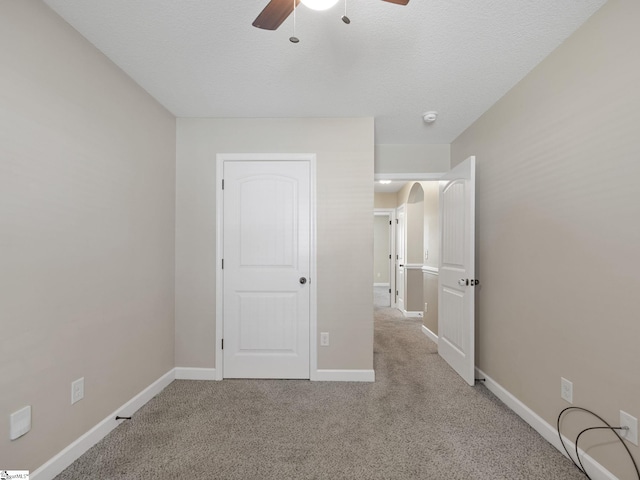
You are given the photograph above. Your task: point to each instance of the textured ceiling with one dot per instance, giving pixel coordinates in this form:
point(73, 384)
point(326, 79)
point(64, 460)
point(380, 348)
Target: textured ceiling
point(202, 58)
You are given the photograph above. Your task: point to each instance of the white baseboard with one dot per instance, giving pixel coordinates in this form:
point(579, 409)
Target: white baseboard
point(432, 336)
point(345, 376)
point(412, 314)
point(595, 470)
point(381, 285)
point(71, 453)
point(188, 373)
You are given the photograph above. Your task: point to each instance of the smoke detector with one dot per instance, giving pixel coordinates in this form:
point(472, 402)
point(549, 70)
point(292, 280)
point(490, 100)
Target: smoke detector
point(429, 117)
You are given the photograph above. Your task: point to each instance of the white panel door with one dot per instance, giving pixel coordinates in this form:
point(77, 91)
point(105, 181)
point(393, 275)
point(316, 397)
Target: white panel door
point(400, 253)
point(456, 281)
point(266, 255)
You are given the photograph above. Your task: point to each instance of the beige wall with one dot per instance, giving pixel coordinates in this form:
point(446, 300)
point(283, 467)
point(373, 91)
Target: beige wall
point(431, 223)
point(412, 158)
point(403, 194)
point(385, 200)
point(344, 149)
point(87, 175)
point(558, 237)
point(430, 297)
point(414, 221)
point(414, 290)
point(381, 248)
point(423, 288)
point(432, 246)
point(414, 218)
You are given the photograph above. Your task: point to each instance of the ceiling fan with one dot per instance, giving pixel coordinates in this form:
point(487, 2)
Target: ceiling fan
point(277, 12)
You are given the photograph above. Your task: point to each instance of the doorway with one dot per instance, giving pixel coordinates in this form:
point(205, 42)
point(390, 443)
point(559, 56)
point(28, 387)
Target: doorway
point(448, 258)
point(416, 255)
point(383, 264)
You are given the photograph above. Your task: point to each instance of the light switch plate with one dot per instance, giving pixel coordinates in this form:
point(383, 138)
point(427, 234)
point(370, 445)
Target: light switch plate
point(20, 422)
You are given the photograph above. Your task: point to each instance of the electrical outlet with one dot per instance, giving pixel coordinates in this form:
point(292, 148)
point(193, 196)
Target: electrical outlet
point(566, 390)
point(77, 390)
point(426, 307)
point(627, 420)
point(324, 339)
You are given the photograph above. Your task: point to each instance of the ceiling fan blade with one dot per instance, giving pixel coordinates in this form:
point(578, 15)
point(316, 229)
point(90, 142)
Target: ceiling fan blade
point(398, 2)
point(274, 14)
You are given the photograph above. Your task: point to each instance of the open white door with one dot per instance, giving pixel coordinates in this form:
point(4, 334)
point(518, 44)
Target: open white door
point(456, 282)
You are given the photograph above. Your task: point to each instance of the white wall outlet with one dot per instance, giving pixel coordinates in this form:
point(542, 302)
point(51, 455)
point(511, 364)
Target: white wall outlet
point(19, 422)
point(566, 390)
point(631, 434)
point(77, 390)
point(324, 339)
point(426, 307)
point(426, 254)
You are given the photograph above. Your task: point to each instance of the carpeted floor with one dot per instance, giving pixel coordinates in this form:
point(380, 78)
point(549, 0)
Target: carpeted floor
point(419, 420)
point(381, 297)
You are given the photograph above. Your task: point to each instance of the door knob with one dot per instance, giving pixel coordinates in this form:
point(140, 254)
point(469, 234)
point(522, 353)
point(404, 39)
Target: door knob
point(303, 280)
point(462, 282)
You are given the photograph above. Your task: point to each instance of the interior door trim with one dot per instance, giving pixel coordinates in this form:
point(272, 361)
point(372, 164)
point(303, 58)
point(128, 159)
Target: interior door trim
point(221, 158)
point(391, 214)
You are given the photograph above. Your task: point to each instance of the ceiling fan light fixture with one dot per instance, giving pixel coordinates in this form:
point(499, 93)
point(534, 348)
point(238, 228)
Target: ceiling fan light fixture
point(319, 4)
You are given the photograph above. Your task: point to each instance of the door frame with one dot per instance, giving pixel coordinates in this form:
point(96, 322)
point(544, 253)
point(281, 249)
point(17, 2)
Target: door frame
point(391, 214)
point(400, 212)
point(221, 158)
point(405, 177)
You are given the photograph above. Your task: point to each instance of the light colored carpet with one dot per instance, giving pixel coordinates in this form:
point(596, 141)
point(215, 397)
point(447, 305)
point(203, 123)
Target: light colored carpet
point(381, 297)
point(419, 420)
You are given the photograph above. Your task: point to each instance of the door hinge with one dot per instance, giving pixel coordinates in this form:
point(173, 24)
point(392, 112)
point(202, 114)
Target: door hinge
point(389, 290)
point(397, 221)
point(223, 264)
point(389, 222)
point(223, 183)
point(223, 344)
point(389, 256)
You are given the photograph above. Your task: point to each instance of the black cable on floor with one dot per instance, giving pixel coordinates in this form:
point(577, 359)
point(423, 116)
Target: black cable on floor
point(580, 466)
